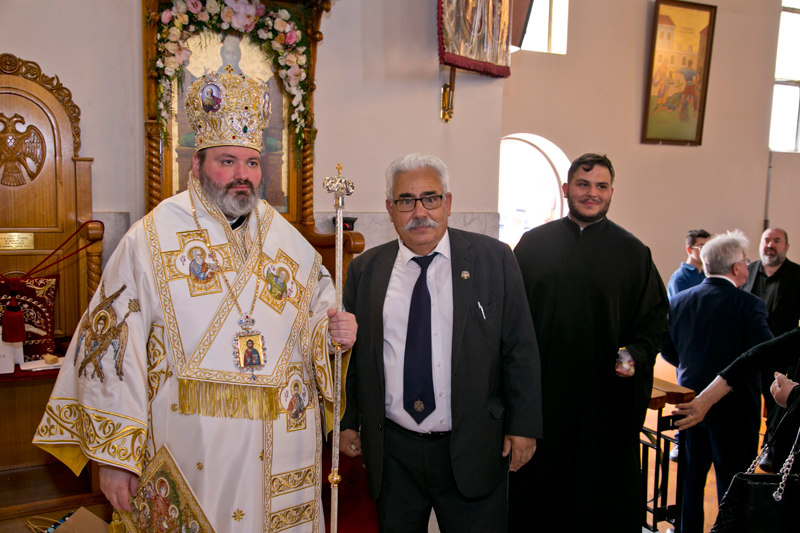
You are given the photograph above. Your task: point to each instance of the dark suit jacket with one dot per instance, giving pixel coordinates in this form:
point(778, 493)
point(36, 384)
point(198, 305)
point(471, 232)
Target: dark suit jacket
point(784, 317)
point(496, 388)
point(710, 325)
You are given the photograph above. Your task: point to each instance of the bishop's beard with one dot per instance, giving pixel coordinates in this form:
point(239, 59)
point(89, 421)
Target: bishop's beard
point(232, 205)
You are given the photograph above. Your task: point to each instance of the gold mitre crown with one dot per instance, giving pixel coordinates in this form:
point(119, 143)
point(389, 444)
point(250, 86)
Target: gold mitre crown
point(228, 109)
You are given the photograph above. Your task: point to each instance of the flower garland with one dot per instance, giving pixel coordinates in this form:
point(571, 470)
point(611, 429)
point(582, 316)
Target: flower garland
point(276, 33)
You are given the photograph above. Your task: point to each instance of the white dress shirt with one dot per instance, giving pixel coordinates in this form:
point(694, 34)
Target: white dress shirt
point(721, 276)
point(395, 326)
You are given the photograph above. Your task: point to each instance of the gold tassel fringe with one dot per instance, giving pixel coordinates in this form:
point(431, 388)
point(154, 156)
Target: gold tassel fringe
point(226, 400)
point(116, 526)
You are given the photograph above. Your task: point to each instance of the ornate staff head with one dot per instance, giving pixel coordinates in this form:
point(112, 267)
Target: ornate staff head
point(339, 186)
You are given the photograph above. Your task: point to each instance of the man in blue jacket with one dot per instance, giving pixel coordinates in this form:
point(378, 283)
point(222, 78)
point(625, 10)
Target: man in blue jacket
point(710, 326)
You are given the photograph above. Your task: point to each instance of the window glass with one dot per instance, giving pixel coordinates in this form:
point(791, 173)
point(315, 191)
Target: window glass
point(787, 65)
point(547, 30)
point(783, 129)
point(531, 172)
point(791, 3)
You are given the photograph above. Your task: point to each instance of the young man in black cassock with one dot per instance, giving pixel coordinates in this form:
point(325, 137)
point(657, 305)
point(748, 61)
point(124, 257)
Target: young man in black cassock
point(593, 290)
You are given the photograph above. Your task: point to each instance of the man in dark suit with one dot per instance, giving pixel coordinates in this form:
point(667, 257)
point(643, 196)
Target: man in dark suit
point(445, 391)
point(776, 280)
point(711, 324)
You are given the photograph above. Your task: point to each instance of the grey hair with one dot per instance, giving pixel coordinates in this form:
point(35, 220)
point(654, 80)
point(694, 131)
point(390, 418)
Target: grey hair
point(723, 251)
point(413, 162)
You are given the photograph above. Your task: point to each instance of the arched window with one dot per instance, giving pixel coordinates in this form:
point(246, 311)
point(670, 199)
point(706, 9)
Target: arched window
point(683, 61)
point(532, 170)
point(672, 60)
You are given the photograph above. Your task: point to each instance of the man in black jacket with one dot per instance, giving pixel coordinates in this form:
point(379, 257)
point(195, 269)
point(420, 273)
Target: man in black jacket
point(443, 382)
point(776, 280)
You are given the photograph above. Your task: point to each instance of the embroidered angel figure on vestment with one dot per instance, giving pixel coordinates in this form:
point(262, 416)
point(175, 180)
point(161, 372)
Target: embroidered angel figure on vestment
point(99, 331)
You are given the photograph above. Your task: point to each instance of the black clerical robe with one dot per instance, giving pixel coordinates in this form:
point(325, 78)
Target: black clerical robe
point(590, 293)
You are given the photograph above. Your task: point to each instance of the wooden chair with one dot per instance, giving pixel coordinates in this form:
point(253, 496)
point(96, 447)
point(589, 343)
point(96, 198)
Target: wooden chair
point(657, 482)
point(46, 195)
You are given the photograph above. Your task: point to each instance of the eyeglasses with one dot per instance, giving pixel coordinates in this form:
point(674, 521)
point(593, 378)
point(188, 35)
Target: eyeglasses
point(698, 247)
point(404, 205)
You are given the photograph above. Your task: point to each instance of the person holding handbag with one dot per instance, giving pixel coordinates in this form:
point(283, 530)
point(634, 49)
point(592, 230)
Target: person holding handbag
point(759, 502)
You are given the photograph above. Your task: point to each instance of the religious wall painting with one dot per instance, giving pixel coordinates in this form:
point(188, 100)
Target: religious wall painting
point(281, 285)
point(195, 262)
point(214, 53)
point(677, 83)
point(294, 398)
point(475, 35)
point(22, 151)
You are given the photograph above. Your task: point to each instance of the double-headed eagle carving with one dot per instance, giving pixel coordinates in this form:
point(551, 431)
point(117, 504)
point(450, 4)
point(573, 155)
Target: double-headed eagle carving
point(20, 151)
point(99, 331)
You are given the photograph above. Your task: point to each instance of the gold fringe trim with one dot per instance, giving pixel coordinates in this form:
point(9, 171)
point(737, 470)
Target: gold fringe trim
point(226, 400)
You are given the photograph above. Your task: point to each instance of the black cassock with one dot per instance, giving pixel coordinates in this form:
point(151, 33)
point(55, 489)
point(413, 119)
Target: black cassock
point(590, 294)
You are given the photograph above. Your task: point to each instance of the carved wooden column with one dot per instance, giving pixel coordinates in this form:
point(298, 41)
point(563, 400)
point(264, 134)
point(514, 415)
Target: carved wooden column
point(154, 187)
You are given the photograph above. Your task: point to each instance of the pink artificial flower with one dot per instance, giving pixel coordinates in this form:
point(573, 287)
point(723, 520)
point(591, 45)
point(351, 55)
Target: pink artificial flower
point(294, 75)
point(280, 25)
point(260, 10)
point(244, 15)
point(166, 16)
point(183, 54)
point(195, 6)
point(290, 38)
point(227, 14)
point(203, 16)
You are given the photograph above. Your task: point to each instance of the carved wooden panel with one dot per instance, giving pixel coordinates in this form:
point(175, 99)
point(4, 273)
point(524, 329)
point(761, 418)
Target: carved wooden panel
point(45, 188)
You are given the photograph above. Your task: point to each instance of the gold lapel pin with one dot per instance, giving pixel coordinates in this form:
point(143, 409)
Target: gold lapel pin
point(464, 274)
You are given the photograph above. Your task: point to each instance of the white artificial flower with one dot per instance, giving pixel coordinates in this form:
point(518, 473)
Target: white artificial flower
point(160, 64)
point(179, 6)
point(282, 13)
point(301, 60)
point(169, 71)
point(262, 34)
point(212, 6)
point(297, 99)
point(225, 25)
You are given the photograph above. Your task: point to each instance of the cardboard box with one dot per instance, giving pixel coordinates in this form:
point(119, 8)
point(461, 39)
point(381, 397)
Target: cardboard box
point(83, 521)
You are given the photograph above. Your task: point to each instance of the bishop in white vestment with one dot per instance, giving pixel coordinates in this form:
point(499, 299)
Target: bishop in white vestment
point(194, 383)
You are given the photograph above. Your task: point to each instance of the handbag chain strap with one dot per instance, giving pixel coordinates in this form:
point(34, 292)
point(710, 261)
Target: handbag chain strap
point(786, 468)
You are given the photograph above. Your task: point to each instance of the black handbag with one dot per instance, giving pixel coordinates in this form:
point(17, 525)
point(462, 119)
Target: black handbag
point(762, 503)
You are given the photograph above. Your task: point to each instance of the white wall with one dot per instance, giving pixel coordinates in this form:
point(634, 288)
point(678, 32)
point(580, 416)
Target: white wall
point(95, 49)
point(591, 99)
point(378, 98)
point(783, 199)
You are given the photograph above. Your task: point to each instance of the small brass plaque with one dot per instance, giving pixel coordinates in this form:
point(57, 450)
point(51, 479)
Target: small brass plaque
point(16, 241)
